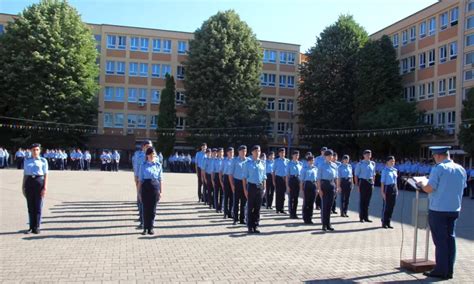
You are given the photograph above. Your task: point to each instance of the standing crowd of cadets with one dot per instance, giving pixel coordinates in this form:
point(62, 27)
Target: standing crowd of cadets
point(109, 161)
point(238, 186)
point(180, 163)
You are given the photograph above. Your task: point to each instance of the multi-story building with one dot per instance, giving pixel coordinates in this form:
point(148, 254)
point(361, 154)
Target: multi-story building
point(133, 64)
point(435, 47)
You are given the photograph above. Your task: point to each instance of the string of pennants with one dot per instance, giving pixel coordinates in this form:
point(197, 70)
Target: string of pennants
point(47, 128)
point(370, 133)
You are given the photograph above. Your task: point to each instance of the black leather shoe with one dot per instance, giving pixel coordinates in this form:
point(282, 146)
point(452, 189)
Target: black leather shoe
point(28, 232)
point(151, 232)
point(250, 231)
point(389, 226)
point(234, 223)
point(384, 226)
point(282, 212)
point(368, 221)
point(435, 275)
point(144, 232)
point(140, 226)
point(361, 220)
point(318, 208)
point(242, 222)
point(36, 231)
point(324, 228)
point(330, 228)
point(256, 231)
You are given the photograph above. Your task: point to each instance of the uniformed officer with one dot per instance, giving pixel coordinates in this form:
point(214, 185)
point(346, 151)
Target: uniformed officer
point(87, 160)
point(138, 160)
point(236, 182)
point(308, 186)
point(108, 161)
point(115, 160)
point(80, 160)
point(199, 158)
point(293, 183)
point(254, 184)
point(334, 160)
point(103, 160)
point(345, 180)
point(364, 178)
point(35, 184)
point(150, 189)
point(270, 186)
point(209, 168)
point(205, 163)
point(328, 181)
point(19, 157)
point(445, 187)
point(218, 188)
point(319, 160)
point(225, 173)
point(279, 179)
point(389, 191)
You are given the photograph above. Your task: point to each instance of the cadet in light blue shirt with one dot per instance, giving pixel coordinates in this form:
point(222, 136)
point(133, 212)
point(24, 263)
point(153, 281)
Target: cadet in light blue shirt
point(364, 177)
point(198, 165)
point(254, 184)
point(327, 179)
point(138, 161)
point(344, 173)
point(389, 191)
point(319, 160)
point(293, 183)
point(279, 179)
point(236, 179)
point(218, 186)
point(208, 168)
point(308, 186)
point(226, 172)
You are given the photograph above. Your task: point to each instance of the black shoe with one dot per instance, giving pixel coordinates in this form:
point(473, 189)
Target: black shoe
point(229, 216)
point(368, 221)
point(36, 231)
point(345, 215)
point(28, 232)
point(384, 226)
point(151, 232)
point(330, 228)
point(389, 226)
point(361, 220)
point(250, 231)
point(144, 232)
point(435, 275)
point(334, 212)
point(308, 222)
point(242, 222)
point(256, 231)
point(234, 223)
point(282, 212)
point(140, 226)
point(318, 208)
point(324, 228)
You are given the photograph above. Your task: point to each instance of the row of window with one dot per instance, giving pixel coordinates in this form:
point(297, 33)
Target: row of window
point(285, 81)
point(269, 56)
point(283, 104)
point(117, 120)
point(282, 128)
point(141, 69)
point(430, 24)
point(445, 119)
point(143, 44)
point(138, 95)
point(409, 64)
point(427, 90)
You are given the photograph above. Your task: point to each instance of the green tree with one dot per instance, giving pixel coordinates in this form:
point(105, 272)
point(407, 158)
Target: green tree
point(223, 80)
point(48, 72)
point(466, 133)
point(167, 118)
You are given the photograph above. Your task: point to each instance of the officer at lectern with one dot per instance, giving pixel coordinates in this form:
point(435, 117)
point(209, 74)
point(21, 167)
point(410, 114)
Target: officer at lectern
point(445, 188)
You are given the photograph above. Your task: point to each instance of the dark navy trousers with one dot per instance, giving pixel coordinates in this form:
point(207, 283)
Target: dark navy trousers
point(150, 196)
point(346, 187)
point(389, 203)
point(217, 192)
point(270, 191)
point(253, 205)
point(199, 185)
point(294, 184)
point(239, 201)
point(309, 191)
point(329, 190)
point(366, 189)
point(280, 189)
point(33, 188)
point(442, 226)
point(228, 197)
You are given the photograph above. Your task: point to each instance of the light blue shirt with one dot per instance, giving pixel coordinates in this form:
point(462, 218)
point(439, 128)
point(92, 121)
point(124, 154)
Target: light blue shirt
point(318, 161)
point(200, 158)
point(309, 174)
point(139, 159)
point(389, 176)
point(150, 170)
point(344, 171)
point(327, 171)
point(294, 168)
point(448, 181)
point(269, 166)
point(365, 169)
point(238, 167)
point(207, 165)
point(35, 167)
point(254, 171)
point(279, 167)
point(217, 165)
point(226, 166)
point(116, 156)
point(87, 156)
point(20, 154)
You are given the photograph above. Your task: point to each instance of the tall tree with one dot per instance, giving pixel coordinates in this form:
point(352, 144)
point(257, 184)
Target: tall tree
point(167, 118)
point(466, 134)
point(223, 79)
point(49, 71)
point(328, 76)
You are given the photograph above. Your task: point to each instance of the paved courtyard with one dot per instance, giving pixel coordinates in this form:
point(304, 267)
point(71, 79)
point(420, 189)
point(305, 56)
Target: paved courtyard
point(88, 235)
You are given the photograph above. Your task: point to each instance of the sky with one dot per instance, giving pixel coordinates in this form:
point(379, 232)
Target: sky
point(290, 21)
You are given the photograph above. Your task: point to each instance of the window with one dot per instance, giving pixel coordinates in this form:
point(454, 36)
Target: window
point(122, 42)
point(131, 120)
point(108, 119)
point(281, 104)
point(155, 70)
point(133, 69)
point(155, 96)
point(442, 54)
point(470, 22)
point(289, 127)
point(432, 30)
point(271, 80)
point(411, 94)
point(267, 79)
point(442, 87)
point(142, 95)
point(413, 33)
point(153, 121)
point(291, 81)
point(180, 98)
point(119, 94)
point(165, 69)
point(109, 94)
point(452, 85)
point(443, 21)
point(453, 50)
point(143, 69)
point(454, 16)
point(132, 95)
point(428, 118)
point(470, 40)
point(111, 41)
point(134, 41)
point(156, 45)
point(264, 79)
point(469, 57)
point(431, 57)
point(180, 73)
point(269, 56)
point(404, 37)
point(441, 118)
point(121, 67)
point(141, 121)
point(469, 75)
point(421, 92)
point(281, 128)
point(395, 40)
point(289, 105)
point(181, 47)
point(144, 44)
point(270, 104)
point(167, 46)
point(291, 58)
point(404, 65)
point(110, 67)
point(180, 123)
point(430, 89)
point(470, 6)
point(422, 29)
point(451, 119)
point(287, 57)
point(412, 63)
point(282, 83)
point(118, 120)
point(269, 129)
point(422, 59)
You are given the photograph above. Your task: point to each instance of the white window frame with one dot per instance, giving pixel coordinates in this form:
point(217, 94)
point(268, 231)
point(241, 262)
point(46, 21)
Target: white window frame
point(421, 91)
point(110, 67)
point(263, 79)
point(119, 94)
point(290, 105)
point(454, 16)
point(180, 98)
point(143, 69)
point(470, 40)
point(432, 26)
point(269, 56)
point(153, 121)
point(167, 46)
point(132, 95)
point(281, 128)
point(443, 21)
point(108, 119)
point(431, 91)
point(109, 94)
point(119, 120)
point(290, 82)
point(413, 33)
point(282, 81)
point(271, 80)
point(141, 121)
point(270, 104)
point(422, 60)
point(133, 69)
point(165, 69)
point(180, 123)
point(142, 95)
point(182, 47)
point(144, 43)
point(453, 50)
point(405, 37)
point(155, 70)
point(131, 120)
point(134, 43)
point(155, 96)
point(432, 57)
point(469, 55)
point(443, 54)
point(452, 85)
point(122, 42)
point(121, 68)
point(180, 71)
point(412, 63)
point(469, 75)
point(441, 87)
point(111, 41)
point(281, 104)
point(422, 29)
point(156, 45)
point(412, 93)
point(395, 40)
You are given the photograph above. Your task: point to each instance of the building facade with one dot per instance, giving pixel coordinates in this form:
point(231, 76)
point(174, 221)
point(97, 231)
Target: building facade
point(133, 63)
point(435, 47)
